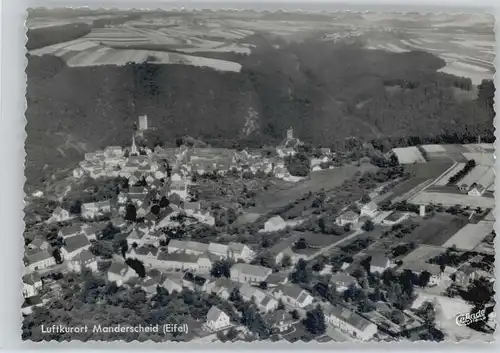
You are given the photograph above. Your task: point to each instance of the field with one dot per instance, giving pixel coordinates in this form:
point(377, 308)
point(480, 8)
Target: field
point(437, 230)
point(470, 236)
point(327, 179)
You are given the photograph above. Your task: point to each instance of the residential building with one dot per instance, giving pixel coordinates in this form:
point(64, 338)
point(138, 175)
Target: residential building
point(178, 260)
point(467, 274)
point(348, 217)
point(74, 245)
point(280, 321)
point(395, 217)
point(244, 273)
point(369, 210)
point(190, 247)
point(238, 251)
point(379, 261)
point(120, 273)
point(59, 215)
point(342, 281)
point(31, 284)
point(85, 259)
point(293, 295)
point(264, 301)
point(173, 284)
point(217, 319)
point(194, 282)
point(92, 232)
point(39, 260)
point(70, 231)
point(93, 209)
point(39, 243)
point(30, 303)
point(349, 322)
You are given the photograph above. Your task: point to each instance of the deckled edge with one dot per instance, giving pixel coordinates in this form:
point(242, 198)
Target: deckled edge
point(494, 12)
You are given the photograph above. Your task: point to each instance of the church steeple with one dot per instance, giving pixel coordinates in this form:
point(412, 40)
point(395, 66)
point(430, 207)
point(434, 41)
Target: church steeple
point(133, 149)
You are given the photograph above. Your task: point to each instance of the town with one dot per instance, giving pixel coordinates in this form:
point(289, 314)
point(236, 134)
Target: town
point(294, 243)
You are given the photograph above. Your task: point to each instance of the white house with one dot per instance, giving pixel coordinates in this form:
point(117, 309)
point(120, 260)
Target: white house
point(31, 284)
point(274, 224)
point(238, 251)
point(349, 322)
point(217, 319)
point(39, 260)
point(93, 209)
point(342, 281)
point(190, 247)
point(348, 217)
point(59, 215)
point(245, 273)
point(178, 187)
point(85, 259)
point(173, 285)
point(120, 273)
point(293, 295)
point(369, 210)
point(74, 245)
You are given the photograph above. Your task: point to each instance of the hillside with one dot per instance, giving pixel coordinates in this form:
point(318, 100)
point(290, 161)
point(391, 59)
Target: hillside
point(326, 92)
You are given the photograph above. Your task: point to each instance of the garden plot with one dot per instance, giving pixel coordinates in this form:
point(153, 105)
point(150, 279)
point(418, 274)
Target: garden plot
point(408, 155)
point(470, 236)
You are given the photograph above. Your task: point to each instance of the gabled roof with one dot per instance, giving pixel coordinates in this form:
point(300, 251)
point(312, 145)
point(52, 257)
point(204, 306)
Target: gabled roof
point(276, 220)
point(188, 245)
point(347, 316)
point(117, 268)
point(217, 248)
point(370, 206)
point(215, 313)
point(252, 270)
point(236, 248)
point(145, 250)
point(31, 278)
point(37, 257)
point(70, 230)
point(178, 257)
point(85, 256)
point(295, 292)
point(349, 215)
point(76, 242)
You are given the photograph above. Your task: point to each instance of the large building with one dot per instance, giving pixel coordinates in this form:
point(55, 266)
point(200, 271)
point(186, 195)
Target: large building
point(143, 122)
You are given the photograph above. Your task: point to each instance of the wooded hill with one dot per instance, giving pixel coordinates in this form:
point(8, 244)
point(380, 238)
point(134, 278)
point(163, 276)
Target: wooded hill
point(326, 92)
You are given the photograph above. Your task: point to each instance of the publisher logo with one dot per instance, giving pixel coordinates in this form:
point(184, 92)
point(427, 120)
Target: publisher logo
point(469, 318)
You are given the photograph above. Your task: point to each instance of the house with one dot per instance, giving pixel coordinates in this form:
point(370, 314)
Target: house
point(245, 273)
point(369, 210)
point(191, 207)
point(119, 223)
point(74, 245)
point(220, 250)
point(276, 279)
point(31, 284)
point(222, 287)
point(92, 232)
point(293, 296)
point(325, 151)
point(217, 319)
point(59, 215)
point(120, 273)
point(238, 251)
point(39, 260)
point(274, 224)
point(467, 274)
point(349, 322)
point(436, 274)
point(93, 209)
point(172, 285)
point(29, 303)
point(264, 301)
point(379, 262)
point(280, 321)
point(85, 259)
point(476, 190)
point(39, 243)
point(190, 247)
point(178, 187)
point(70, 231)
point(348, 217)
point(342, 281)
point(177, 260)
point(146, 253)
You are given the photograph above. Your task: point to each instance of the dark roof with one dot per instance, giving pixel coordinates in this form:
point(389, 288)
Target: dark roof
point(117, 268)
point(71, 229)
point(38, 256)
point(30, 301)
point(144, 250)
point(76, 242)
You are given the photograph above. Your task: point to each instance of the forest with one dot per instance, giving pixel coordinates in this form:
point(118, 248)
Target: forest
point(342, 91)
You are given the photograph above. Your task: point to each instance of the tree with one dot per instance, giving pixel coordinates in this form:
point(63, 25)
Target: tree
point(131, 213)
point(286, 261)
point(301, 274)
point(423, 278)
point(221, 268)
point(301, 244)
point(366, 199)
point(56, 253)
point(368, 226)
point(137, 266)
point(164, 203)
point(397, 317)
point(76, 207)
point(315, 321)
point(155, 209)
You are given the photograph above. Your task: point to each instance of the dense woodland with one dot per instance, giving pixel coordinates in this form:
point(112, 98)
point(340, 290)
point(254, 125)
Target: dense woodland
point(342, 91)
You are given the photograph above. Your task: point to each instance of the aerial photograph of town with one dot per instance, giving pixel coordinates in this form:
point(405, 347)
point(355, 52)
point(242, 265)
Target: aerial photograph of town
point(222, 175)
